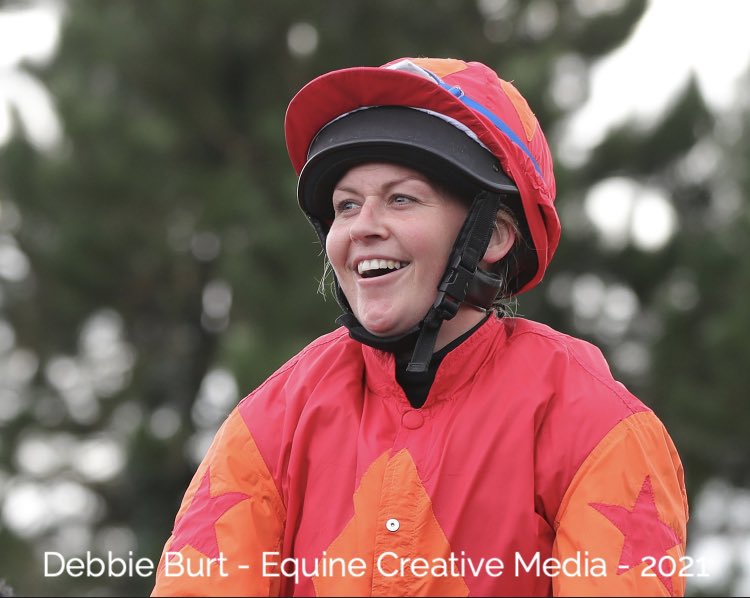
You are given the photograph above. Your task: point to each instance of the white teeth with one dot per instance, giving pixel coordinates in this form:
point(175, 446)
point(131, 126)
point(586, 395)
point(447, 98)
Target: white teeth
point(367, 265)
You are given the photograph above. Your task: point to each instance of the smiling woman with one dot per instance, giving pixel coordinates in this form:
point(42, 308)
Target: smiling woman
point(386, 213)
point(432, 445)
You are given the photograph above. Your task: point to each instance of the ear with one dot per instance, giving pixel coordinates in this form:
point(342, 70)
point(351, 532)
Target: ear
point(501, 242)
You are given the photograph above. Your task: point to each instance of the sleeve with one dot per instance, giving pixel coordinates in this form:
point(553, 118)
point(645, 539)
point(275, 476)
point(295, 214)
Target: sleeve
point(231, 515)
point(621, 526)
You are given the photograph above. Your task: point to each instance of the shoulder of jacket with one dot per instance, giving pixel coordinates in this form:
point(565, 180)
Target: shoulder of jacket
point(324, 352)
point(572, 353)
point(335, 338)
point(547, 338)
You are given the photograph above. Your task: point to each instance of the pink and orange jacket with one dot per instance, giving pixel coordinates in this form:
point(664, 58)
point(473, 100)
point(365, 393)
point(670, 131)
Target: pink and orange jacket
point(528, 471)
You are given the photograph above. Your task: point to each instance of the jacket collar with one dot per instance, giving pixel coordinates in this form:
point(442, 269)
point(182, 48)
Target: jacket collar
point(456, 371)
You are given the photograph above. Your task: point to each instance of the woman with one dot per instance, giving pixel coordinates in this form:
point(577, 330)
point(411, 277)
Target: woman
point(431, 445)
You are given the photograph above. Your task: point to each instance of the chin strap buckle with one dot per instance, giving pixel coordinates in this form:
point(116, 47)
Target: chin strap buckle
point(468, 250)
point(453, 289)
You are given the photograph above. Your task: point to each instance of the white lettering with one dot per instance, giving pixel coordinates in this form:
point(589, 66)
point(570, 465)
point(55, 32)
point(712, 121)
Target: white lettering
point(57, 555)
point(494, 567)
point(380, 564)
point(533, 564)
point(293, 572)
point(266, 564)
point(173, 568)
point(56, 564)
point(576, 565)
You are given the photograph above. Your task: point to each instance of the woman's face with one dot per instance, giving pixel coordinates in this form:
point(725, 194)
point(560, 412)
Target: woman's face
point(389, 243)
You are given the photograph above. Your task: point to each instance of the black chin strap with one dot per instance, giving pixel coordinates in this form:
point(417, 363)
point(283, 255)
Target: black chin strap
point(462, 282)
point(468, 251)
point(398, 344)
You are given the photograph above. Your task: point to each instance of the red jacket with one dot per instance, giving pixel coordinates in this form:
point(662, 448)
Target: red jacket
point(529, 471)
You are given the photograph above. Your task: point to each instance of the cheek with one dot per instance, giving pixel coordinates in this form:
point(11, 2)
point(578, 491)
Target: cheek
point(444, 238)
point(335, 248)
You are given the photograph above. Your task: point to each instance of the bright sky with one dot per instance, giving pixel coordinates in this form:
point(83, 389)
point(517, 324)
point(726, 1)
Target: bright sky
point(28, 34)
point(673, 39)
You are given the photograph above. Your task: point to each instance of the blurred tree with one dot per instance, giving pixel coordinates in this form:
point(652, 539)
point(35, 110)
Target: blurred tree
point(703, 348)
point(692, 315)
point(168, 269)
point(673, 317)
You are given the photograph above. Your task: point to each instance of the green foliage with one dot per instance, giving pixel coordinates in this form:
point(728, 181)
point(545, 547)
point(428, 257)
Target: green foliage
point(641, 151)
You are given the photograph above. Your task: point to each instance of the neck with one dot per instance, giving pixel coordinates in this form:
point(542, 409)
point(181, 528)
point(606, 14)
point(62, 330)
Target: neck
point(466, 318)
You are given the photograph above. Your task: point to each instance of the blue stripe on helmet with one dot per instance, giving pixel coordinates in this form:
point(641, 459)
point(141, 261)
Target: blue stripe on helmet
point(496, 120)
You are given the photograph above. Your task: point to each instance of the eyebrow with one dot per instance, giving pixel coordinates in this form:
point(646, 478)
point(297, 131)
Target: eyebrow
point(385, 186)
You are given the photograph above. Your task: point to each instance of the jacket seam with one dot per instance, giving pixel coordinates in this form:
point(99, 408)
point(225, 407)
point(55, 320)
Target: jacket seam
point(295, 360)
point(574, 354)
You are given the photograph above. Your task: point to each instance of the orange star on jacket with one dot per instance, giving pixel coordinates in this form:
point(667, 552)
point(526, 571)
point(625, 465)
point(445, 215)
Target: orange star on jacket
point(232, 490)
point(645, 534)
point(631, 503)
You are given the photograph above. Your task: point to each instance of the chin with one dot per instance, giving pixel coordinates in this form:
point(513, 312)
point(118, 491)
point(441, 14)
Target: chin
point(383, 331)
point(382, 327)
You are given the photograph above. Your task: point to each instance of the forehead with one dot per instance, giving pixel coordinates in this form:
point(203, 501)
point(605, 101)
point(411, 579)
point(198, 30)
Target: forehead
point(383, 173)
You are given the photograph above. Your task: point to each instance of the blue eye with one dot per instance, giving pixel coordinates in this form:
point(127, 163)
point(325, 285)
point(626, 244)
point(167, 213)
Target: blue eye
point(343, 206)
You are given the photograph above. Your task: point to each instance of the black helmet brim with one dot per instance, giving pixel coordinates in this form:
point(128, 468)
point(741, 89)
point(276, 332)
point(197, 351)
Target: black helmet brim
point(400, 135)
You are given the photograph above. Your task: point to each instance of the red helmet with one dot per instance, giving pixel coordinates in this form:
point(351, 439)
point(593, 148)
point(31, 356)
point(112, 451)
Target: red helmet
point(487, 111)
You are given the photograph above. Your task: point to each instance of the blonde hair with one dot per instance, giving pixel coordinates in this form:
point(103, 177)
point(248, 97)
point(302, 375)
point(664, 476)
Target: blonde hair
point(504, 304)
point(327, 280)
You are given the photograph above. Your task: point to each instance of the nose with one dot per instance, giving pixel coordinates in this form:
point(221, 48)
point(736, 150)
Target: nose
point(369, 222)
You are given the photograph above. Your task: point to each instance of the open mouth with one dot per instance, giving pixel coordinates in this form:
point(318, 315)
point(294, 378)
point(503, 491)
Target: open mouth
point(377, 267)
